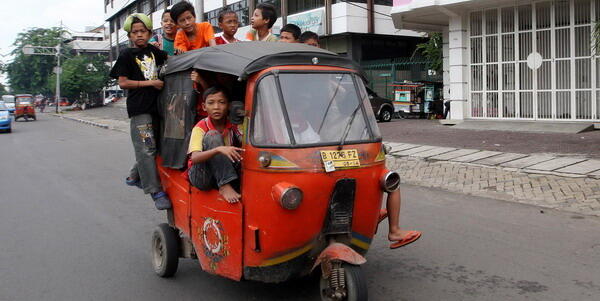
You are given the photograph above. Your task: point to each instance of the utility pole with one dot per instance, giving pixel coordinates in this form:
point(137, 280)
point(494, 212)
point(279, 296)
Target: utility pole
point(52, 51)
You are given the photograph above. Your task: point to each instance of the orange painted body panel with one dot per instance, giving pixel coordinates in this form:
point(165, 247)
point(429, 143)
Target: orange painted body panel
point(22, 110)
point(259, 232)
point(217, 233)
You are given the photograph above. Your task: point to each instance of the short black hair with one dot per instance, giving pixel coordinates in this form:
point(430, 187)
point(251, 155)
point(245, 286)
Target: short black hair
point(167, 11)
point(224, 13)
point(214, 90)
point(293, 29)
point(179, 8)
point(268, 12)
point(307, 35)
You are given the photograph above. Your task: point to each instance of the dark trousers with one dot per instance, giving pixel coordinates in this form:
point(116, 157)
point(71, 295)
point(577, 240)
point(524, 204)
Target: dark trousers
point(446, 109)
point(144, 145)
point(216, 171)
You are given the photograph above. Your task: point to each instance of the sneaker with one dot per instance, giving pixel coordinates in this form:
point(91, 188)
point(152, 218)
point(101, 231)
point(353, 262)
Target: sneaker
point(131, 182)
point(161, 200)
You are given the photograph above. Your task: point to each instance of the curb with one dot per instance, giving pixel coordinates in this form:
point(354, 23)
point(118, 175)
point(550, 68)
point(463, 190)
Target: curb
point(96, 124)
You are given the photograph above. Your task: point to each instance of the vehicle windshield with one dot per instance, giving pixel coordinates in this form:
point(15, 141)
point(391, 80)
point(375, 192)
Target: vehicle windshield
point(8, 98)
point(300, 109)
point(24, 100)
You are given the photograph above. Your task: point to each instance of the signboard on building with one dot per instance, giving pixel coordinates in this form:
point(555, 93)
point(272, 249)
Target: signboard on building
point(310, 20)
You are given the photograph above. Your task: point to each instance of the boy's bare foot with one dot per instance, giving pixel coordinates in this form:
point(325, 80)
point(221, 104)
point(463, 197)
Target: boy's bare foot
point(229, 193)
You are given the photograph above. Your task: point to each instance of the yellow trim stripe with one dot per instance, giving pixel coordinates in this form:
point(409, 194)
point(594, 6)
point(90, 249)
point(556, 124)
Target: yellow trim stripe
point(359, 243)
point(286, 257)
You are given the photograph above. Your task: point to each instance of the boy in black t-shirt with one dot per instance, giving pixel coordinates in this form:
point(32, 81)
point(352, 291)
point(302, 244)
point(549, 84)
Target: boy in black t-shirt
point(137, 71)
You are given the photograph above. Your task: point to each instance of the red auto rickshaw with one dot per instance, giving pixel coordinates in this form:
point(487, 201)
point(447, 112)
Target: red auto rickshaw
point(309, 201)
point(24, 107)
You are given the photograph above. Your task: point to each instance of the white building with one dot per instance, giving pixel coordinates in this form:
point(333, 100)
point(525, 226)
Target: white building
point(513, 60)
point(90, 42)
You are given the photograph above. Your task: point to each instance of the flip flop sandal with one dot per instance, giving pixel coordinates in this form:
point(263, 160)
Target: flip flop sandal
point(411, 236)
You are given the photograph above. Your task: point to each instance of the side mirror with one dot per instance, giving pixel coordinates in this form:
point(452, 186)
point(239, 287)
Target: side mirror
point(236, 112)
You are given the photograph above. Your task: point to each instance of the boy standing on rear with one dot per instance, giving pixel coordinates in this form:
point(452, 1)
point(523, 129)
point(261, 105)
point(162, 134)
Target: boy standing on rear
point(229, 23)
point(166, 40)
point(137, 71)
point(262, 21)
point(191, 35)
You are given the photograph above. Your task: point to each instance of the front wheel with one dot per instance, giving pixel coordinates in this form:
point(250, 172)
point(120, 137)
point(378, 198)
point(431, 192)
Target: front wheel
point(165, 250)
point(385, 115)
point(346, 282)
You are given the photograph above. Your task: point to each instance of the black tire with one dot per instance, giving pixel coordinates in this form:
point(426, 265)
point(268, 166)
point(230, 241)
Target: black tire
point(356, 284)
point(165, 250)
point(34, 118)
point(9, 130)
point(386, 114)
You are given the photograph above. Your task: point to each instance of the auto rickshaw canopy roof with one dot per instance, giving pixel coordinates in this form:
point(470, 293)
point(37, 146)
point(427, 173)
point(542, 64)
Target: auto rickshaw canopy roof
point(244, 58)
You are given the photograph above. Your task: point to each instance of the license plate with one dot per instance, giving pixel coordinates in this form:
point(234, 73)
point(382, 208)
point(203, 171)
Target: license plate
point(343, 158)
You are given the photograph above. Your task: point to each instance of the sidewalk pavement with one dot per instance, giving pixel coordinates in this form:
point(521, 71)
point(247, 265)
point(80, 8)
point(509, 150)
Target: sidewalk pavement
point(526, 168)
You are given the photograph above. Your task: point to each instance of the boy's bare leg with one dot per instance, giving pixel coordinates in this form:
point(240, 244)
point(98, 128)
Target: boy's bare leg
point(229, 193)
point(393, 208)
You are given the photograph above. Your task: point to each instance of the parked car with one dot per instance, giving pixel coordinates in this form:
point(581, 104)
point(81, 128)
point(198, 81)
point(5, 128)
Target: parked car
point(382, 107)
point(5, 118)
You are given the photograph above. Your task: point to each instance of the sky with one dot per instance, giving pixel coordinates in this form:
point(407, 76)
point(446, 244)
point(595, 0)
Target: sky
point(19, 15)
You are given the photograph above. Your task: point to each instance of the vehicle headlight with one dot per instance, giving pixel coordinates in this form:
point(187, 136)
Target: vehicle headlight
point(287, 195)
point(390, 181)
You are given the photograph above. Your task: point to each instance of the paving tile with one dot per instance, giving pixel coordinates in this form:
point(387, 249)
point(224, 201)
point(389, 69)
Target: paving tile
point(475, 156)
point(402, 146)
point(582, 168)
point(555, 164)
point(454, 154)
point(414, 150)
point(527, 161)
point(433, 152)
point(499, 159)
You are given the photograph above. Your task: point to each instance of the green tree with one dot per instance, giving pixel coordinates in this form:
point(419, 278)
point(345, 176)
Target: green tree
point(2, 89)
point(81, 75)
point(433, 51)
point(29, 73)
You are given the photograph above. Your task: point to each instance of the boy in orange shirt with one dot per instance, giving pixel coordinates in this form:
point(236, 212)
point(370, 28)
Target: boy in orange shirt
point(192, 35)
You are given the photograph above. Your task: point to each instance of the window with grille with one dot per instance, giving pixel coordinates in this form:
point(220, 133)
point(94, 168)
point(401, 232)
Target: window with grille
point(535, 61)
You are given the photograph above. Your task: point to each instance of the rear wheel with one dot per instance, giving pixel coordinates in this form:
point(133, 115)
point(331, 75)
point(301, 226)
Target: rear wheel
point(386, 115)
point(165, 250)
point(345, 283)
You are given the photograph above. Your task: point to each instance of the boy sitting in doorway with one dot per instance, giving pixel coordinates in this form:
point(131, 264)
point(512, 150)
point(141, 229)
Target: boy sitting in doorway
point(192, 35)
point(229, 23)
point(262, 21)
point(214, 148)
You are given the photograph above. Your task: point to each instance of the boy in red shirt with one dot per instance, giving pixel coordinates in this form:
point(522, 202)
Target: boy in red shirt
point(191, 35)
point(229, 23)
point(214, 148)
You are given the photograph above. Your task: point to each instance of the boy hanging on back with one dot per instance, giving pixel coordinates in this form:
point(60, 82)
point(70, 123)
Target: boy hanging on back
point(166, 40)
point(191, 35)
point(262, 21)
point(137, 71)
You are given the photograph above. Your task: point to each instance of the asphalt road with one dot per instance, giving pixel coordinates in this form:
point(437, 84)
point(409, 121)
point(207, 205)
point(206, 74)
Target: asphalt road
point(70, 230)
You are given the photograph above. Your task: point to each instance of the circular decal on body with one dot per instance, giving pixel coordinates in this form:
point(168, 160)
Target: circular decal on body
point(211, 236)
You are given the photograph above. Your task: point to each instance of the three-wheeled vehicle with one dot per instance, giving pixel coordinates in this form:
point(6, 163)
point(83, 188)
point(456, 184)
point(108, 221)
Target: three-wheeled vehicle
point(24, 107)
point(312, 176)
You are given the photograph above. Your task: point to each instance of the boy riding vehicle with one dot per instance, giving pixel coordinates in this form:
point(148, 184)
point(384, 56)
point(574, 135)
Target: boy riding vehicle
point(136, 69)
